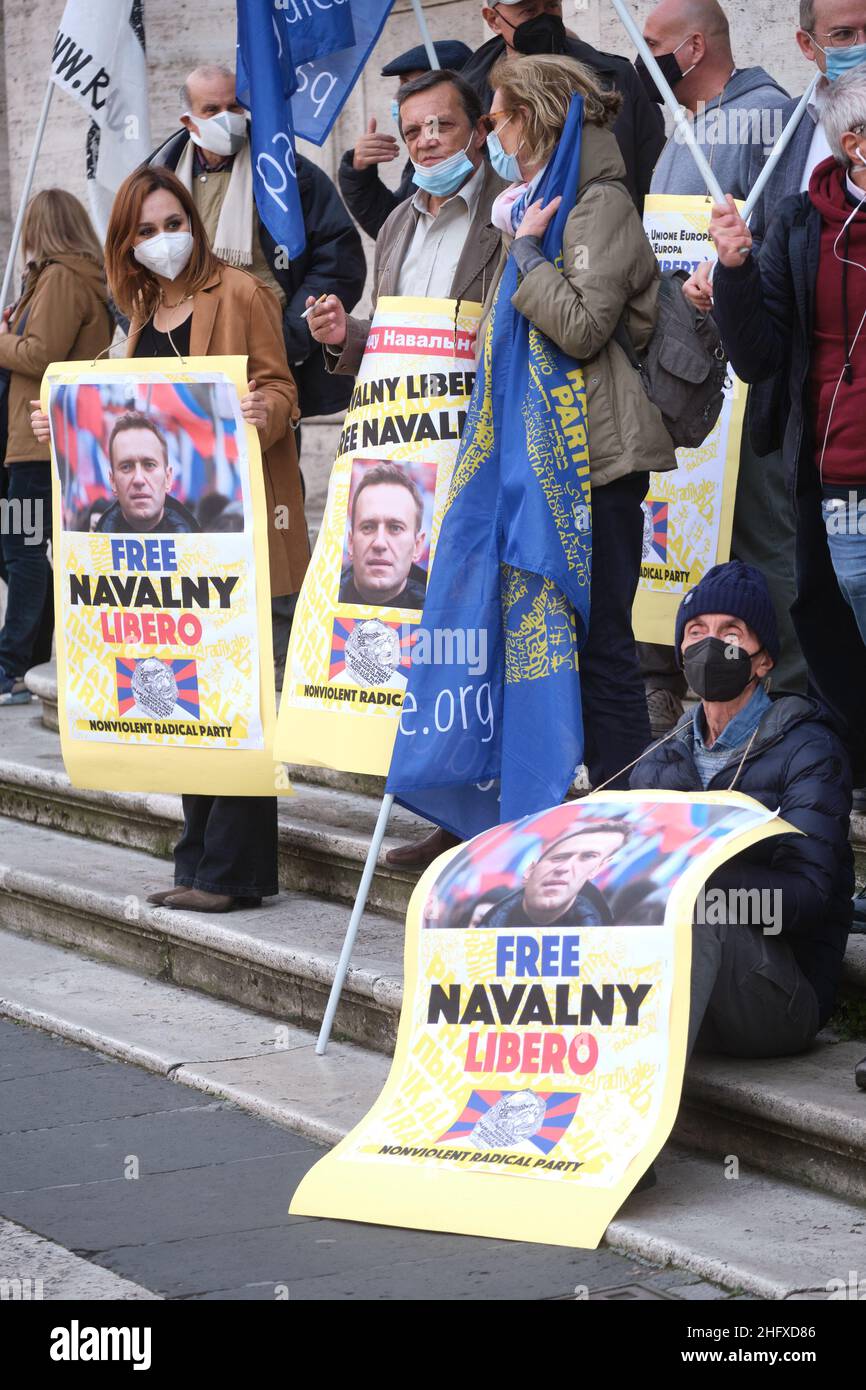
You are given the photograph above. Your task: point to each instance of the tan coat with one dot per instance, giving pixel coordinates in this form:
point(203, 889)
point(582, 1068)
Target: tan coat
point(235, 315)
point(66, 303)
point(608, 267)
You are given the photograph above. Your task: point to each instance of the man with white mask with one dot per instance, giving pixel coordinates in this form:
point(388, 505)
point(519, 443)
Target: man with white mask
point(211, 156)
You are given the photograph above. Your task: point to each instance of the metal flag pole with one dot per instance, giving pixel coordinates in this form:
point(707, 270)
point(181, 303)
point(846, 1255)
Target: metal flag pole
point(779, 148)
point(25, 194)
point(683, 123)
point(354, 923)
point(425, 34)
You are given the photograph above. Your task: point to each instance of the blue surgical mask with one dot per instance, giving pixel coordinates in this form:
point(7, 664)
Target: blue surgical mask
point(841, 60)
point(395, 110)
point(506, 165)
point(446, 176)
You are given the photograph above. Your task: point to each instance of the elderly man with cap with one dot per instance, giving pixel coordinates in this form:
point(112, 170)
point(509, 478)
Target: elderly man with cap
point(760, 988)
point(368, 198)
point(537, 26)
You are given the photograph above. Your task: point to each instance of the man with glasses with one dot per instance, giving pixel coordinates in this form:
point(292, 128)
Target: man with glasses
point(438, 244)
point(536, 26)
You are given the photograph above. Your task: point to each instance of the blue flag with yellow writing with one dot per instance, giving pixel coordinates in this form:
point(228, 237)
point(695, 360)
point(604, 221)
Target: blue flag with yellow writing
point(490, 728)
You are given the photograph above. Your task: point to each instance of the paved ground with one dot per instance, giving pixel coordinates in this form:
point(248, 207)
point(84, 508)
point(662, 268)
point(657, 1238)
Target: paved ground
point(118, 1184)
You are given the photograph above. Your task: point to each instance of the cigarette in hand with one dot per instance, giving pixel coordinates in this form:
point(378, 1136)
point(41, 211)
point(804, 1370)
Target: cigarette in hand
point(321, 299)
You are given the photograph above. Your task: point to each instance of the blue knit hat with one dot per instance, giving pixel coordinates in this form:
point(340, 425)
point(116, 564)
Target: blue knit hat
point(737, 589)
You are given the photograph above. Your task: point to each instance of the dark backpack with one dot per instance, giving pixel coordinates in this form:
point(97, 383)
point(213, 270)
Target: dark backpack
point(683, 368)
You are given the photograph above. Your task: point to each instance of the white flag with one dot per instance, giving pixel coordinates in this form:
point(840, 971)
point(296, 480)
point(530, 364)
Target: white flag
point(99, 61)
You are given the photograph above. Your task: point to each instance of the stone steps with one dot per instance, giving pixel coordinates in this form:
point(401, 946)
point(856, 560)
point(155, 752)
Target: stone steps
point(760, 1235)
point(799, 1117)
point(325, 830)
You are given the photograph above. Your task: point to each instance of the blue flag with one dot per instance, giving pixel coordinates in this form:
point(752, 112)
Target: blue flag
point(491, 727)
point(317, 27)
point(265, 83)
point(324, 85)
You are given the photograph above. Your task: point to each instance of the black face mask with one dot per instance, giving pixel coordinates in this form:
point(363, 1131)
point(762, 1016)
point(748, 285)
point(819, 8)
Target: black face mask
point(718, 670)
point(671, 72)
point(545, 34)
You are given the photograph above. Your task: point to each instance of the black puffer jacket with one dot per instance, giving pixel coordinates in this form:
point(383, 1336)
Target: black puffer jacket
point(332, 262)
point(798, 765)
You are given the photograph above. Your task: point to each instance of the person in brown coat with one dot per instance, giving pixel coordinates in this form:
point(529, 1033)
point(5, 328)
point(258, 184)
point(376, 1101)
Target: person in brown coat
point(182, 301)
point(61, 316)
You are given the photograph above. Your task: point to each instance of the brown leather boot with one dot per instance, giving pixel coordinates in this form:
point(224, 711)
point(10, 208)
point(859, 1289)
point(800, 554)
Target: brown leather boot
point(159, 899)
point(196, 900)
point(419, 855)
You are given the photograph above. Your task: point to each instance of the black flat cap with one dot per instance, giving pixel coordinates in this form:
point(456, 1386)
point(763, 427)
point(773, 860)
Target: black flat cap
point(450, 52)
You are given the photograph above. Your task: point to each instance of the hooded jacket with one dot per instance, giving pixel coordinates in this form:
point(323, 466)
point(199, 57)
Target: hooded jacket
point(639, 127)
point(609, 270)
point(840, 306)
point(734, 132)
point(64, 317)
point(797, 765)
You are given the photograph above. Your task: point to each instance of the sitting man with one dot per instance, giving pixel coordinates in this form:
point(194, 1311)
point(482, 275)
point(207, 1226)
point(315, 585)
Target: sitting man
point(386, 538)
point(556, 891)
point(759, 989)
point(141, 478)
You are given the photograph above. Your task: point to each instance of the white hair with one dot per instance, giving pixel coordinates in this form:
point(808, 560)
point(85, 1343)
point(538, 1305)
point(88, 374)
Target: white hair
point(209, 71)
point(844, 109)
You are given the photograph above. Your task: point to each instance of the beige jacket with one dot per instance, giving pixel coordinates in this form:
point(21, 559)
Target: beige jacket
point(475, 269)
point(235, 315)
point(66, 304)
point(608, 267)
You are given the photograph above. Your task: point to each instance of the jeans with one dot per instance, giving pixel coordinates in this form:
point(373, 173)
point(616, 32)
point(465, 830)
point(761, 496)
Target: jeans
point(228, 845)
point(843, 520)
point(25, 639)
point(615, 720)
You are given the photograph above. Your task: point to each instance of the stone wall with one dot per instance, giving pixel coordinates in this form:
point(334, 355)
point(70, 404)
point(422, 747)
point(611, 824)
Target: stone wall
point(181, 33)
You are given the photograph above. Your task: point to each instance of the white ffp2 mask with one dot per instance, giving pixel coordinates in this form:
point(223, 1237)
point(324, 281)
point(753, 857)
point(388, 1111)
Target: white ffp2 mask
point(166, 254)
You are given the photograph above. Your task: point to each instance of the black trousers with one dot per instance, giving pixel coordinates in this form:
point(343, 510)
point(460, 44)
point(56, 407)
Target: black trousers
point(228, 845)
point(615, 719)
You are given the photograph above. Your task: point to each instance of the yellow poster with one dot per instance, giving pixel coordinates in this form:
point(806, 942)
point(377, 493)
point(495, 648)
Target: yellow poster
point(357, 623)
point(542, 1040)
point(162, 592)
point(689, 512)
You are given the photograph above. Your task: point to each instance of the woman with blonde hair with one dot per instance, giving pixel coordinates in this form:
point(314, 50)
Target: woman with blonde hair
point(183, 301)
point(603, 294)
point(62, 316)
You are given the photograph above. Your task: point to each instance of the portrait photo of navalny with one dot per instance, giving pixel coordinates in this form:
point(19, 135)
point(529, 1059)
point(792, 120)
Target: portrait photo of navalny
point(140, 473)
point(386, 548)
point(579, 865)
point(145, 456)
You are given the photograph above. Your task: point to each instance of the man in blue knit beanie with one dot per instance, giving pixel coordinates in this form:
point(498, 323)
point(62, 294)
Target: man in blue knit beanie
point(766, 962)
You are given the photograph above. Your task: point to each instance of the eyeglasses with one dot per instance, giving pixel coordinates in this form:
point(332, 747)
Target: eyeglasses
point(841, 38)
point(489, 121)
